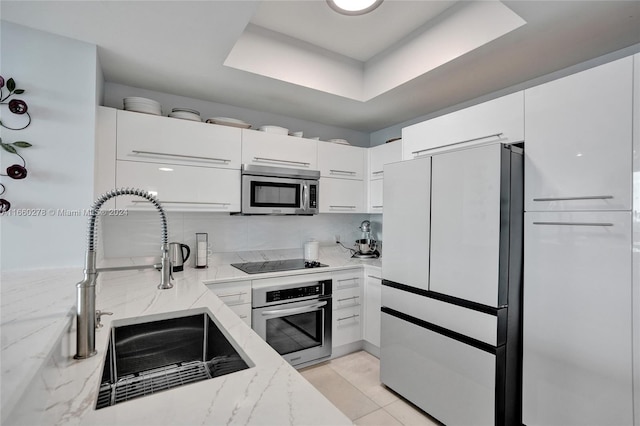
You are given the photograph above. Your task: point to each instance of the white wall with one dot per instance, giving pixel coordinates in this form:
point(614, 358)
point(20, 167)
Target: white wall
point(59, 77)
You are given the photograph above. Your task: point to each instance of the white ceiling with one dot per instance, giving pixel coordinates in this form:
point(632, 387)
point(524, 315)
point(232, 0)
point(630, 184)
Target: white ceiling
point(180, 47)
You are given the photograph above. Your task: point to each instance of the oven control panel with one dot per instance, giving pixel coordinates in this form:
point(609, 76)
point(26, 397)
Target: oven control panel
point(317, 289)
point(294, 293)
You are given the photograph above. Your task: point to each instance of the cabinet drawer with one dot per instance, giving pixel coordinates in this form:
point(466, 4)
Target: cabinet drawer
point(438, 374)
point(179, 187)
point(149, 138)
point(341, 161)
point(347, 326)
point(243, 311)
point(347, 298)
point(346, 280)
point(474, 324)
point(233, 293)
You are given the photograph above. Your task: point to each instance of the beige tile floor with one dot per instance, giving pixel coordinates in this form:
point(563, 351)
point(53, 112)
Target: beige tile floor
point(352, 383)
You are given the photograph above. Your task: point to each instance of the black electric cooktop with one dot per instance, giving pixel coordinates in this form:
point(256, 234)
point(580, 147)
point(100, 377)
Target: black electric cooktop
point(276, 266)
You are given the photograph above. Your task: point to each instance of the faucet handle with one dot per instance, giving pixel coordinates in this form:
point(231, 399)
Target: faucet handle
point(99, 315)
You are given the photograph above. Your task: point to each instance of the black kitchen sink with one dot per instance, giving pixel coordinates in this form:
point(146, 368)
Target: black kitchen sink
point(160, 354)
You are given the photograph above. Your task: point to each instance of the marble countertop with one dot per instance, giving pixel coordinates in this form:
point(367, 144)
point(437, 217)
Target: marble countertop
point(43, 384)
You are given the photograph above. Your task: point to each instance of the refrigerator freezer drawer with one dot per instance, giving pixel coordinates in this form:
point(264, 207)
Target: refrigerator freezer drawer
point(477, 325)
point(452, 381)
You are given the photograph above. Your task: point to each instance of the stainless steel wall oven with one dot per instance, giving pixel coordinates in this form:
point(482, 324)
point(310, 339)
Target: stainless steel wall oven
point(293, 315)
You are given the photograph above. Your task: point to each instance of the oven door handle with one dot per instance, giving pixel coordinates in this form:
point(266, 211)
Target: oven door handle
point(299, 310)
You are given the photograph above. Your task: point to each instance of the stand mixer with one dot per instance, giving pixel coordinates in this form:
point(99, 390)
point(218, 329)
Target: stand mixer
point(367, 248)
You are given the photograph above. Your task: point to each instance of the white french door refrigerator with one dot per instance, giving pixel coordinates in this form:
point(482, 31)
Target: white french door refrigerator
point(452, 279)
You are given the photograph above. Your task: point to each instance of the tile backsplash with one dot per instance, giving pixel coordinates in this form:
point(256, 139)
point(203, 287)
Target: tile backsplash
point(138, 233)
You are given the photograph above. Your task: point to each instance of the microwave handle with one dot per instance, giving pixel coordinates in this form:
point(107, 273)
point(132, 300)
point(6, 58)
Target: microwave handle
point(305, 196)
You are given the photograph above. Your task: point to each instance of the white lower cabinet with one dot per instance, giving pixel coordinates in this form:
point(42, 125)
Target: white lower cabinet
point(452, 381)
point(341, 196)
point(347, 307)
point(236, 295)
point(179, 187)
point(372, 305)
point(577, 347)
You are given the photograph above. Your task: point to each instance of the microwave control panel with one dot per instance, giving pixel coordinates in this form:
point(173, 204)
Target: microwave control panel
point(313, 196)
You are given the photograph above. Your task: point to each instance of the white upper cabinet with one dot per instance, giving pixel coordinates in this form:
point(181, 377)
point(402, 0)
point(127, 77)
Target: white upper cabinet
point(341, 196)
point(500, 120)
point(268, 149)
point(381, 155)
point(150, 138)
point(341, 161)
point(378, 157)
point(579, 141)
point(178, 187)
point(406, 222)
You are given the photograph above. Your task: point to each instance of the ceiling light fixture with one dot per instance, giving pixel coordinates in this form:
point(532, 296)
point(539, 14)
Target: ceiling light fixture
point(354, 7)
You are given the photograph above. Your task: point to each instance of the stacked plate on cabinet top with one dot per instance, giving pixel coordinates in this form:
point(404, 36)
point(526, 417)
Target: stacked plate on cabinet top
point(185, 114)
point(274, 129)
point(226, 121)
point(148, 106)
point(340, 141)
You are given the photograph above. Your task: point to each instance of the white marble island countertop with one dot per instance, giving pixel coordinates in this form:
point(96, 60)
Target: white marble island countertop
point(63, 390)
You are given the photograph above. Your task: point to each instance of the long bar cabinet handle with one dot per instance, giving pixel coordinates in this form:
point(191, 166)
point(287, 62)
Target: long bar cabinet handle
point(495, 135)
point(348, 298)
point(223, 160)
point(344, 172)
point(379, 172)
point(183, 202)
point(574, 223)
point(232, 294)
point(276, 160)
point(586, 197)
point(349, 317)
point(343, 207)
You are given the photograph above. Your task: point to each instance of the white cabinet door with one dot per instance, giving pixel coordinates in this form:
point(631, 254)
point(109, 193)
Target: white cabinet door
point(341, 196)
point(381, 155)
point(268, 149)
point(376, 198)
point(406, 222)
point(179, 187)
point(150, 138)
point(372, 305)
point(500, 119)
point(465, 223)
point(578, 141)
point(341, 161)
point(577, 319)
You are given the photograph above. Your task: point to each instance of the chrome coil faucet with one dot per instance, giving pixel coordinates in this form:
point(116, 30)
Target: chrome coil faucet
point(86, 314)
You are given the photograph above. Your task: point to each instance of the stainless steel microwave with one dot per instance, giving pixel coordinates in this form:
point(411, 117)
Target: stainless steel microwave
point(279, 190)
